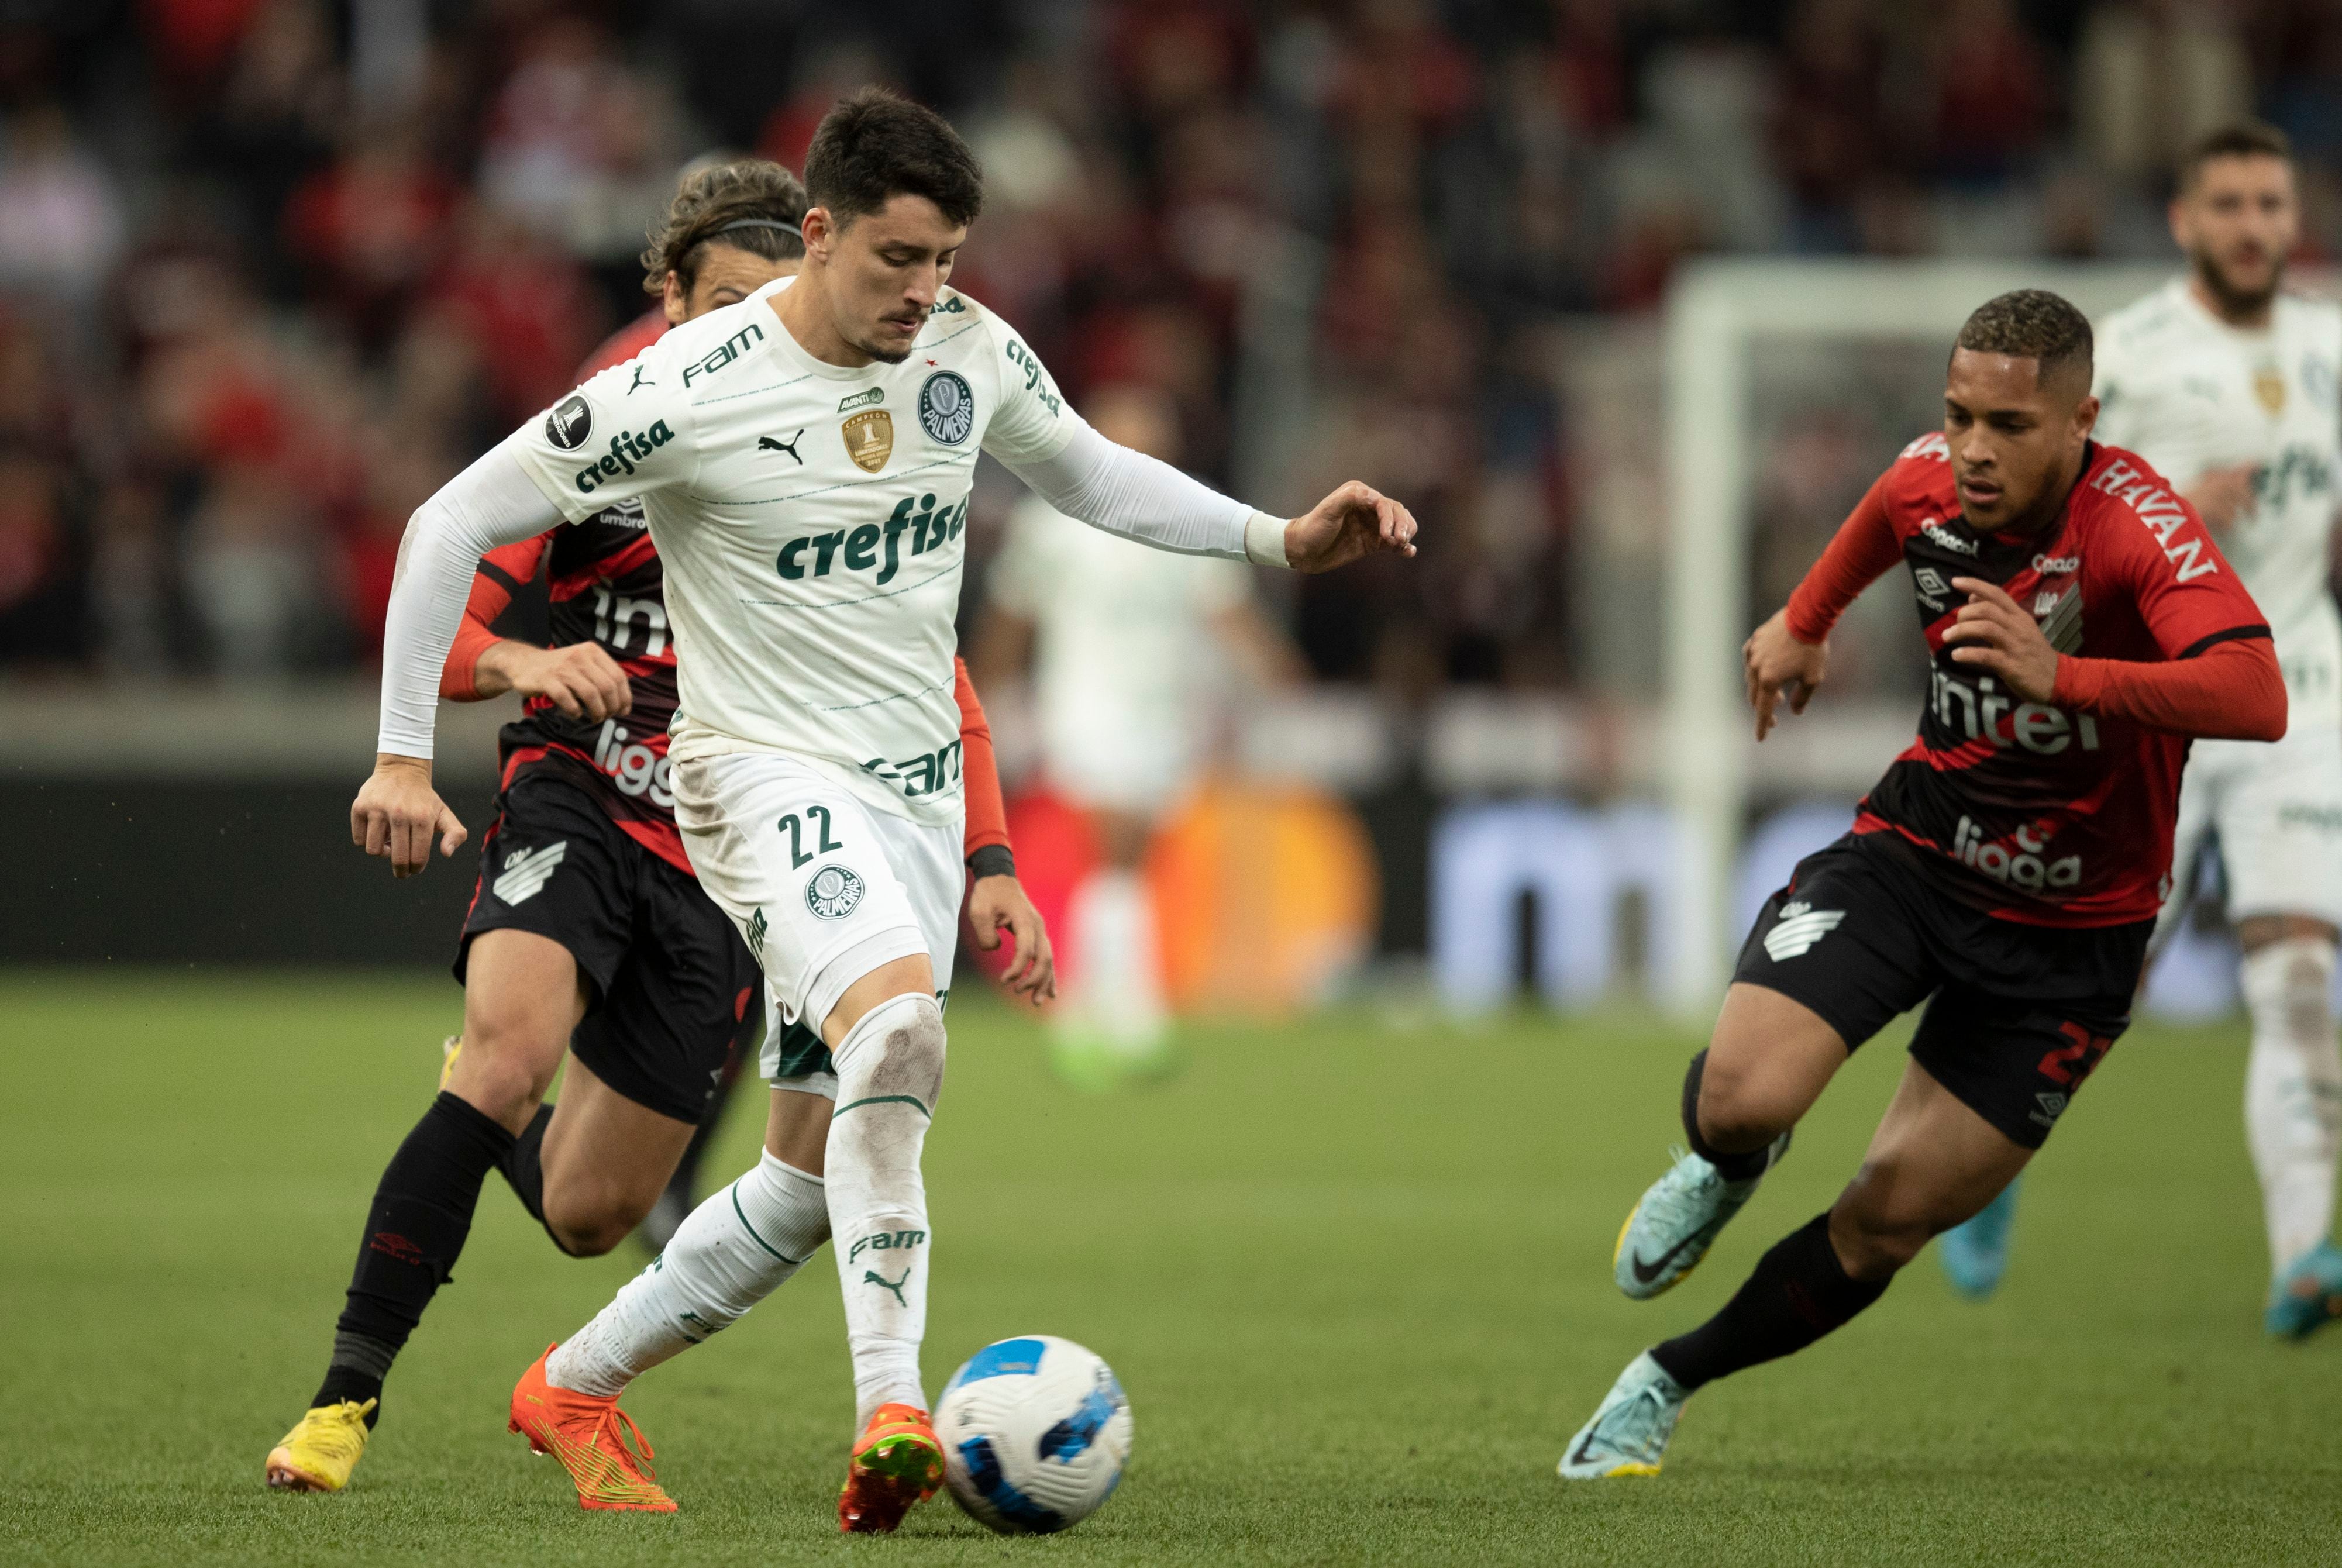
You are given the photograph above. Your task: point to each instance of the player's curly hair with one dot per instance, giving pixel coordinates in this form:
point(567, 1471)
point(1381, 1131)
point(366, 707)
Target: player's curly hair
point(752, 204)
point(2033, 323)
point(876, 144)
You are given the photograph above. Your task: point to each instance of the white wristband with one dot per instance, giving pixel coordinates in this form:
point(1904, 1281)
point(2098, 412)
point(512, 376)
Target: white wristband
point(1265, 540)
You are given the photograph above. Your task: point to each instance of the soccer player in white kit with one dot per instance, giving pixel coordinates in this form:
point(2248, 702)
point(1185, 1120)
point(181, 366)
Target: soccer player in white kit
point(2228, 385)
point(1127, 653)
point(804, 460)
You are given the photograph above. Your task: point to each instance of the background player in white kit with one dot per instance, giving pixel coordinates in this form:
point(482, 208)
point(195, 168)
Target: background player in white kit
point(803, 459)
point(1126, 653)
point(2227, 385)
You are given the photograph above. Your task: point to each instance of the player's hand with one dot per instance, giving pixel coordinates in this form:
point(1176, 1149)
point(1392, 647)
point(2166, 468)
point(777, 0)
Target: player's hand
point(1776, 666)
point(2223, 496)
point(1355, 521)
point(998, 903)
point(398, 813)
point(1997, 636)
point(581, 679)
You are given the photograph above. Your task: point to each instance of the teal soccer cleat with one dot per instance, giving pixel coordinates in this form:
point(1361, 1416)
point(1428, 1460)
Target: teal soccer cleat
point(1628, 1434)
point(1677, 1221)
point(1975, 1254)
point(2309, 1296)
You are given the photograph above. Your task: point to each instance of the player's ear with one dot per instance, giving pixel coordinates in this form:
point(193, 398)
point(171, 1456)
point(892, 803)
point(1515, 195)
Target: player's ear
point(676, 301)
point(2085, 417)
point(818, 230)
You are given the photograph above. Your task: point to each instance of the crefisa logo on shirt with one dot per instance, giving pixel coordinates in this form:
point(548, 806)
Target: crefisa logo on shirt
point(569, 422)
point(947, 407)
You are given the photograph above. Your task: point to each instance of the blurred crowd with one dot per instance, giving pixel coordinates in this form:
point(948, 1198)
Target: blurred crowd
point(270, 270)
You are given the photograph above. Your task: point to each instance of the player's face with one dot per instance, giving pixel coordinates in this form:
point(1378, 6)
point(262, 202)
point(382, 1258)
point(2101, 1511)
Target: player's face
point(2014, 442)
point(883, 271)
point(2238, 223)
point(728, 274)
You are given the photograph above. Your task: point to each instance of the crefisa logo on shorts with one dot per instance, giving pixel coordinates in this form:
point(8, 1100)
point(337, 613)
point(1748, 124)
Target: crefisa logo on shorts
point(834, 892)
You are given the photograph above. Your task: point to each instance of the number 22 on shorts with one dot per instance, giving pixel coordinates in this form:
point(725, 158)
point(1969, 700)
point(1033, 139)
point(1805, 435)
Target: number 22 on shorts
point(824, 844)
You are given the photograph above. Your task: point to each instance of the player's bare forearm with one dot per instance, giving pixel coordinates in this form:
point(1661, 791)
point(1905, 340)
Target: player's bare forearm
point(397, 813)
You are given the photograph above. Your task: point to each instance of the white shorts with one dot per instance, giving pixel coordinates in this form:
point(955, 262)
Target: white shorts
point(2276, 809)
point(823, 889)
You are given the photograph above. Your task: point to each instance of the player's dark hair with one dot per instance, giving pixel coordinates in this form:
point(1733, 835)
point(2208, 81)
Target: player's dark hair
point(2235, 139)
point(2033, 323)
point(876, 144)
point(750, 204)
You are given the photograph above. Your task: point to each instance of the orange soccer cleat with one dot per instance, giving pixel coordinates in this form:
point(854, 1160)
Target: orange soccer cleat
point(588, 1434)
point(898, 1461)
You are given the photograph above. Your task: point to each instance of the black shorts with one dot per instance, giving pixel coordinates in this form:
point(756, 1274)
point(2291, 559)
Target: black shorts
point(2021, 1012)
point(673, 991)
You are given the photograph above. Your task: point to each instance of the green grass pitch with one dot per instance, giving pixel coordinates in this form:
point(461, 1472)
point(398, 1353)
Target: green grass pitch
point(1354, 1276)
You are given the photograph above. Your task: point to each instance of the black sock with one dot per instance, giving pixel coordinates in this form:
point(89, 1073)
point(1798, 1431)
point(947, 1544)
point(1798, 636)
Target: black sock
point(1798, 1292)
point(1731, 1167)
point(524, 1164)
point(413, 1233)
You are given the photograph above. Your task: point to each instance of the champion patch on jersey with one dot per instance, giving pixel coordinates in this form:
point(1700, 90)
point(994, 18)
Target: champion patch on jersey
point(869, 439)
point(526, 871)
point(834, 892)
point(947, 407)
point(1800, 926)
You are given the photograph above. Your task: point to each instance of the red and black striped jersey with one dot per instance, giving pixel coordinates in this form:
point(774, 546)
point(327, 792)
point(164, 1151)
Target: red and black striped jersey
point(2042, 813)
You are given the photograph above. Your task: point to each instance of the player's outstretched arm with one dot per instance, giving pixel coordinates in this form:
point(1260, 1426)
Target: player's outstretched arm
point(493, 502)
point(1789, 654)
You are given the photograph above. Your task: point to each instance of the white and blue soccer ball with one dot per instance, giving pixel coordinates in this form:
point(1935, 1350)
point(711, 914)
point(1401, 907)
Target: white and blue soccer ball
point(1036, 1432)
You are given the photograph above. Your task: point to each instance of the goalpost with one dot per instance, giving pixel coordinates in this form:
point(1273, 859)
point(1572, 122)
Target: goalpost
point(1720, 315)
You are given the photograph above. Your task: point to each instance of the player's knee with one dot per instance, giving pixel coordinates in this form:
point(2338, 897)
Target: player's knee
point(897, 1049)
point(1738, 1111)
point(2288, 986)
point(509, 1056)
point(586, 1225)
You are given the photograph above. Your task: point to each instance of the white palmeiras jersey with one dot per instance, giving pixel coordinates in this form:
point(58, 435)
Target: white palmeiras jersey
point(2191, 394)
point(811, 522)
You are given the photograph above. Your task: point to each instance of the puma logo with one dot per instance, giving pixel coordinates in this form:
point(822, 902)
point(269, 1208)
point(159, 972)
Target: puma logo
point(872, 1276)
point(774, 444)
point(640, 380)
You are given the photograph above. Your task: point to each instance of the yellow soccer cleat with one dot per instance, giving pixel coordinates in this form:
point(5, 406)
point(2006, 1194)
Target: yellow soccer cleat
point(449, 1049)
point(897, 1462)
point(318, 1454)
point(588, 1434)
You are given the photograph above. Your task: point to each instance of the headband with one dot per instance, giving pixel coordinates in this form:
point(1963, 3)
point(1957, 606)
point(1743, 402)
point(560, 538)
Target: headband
point(759, 223)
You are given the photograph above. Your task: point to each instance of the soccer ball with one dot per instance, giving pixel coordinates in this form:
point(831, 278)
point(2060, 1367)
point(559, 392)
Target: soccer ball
point(1034, 1432)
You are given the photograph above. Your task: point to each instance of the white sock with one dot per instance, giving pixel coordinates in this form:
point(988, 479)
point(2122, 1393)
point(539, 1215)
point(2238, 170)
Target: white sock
point(1121, 994)
point(731, 1253)
point(890, 1067)
point(2293, 1092)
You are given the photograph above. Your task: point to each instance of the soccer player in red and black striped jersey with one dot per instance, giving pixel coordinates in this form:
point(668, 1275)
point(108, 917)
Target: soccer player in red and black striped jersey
point(589, 935)
point(2083, 628)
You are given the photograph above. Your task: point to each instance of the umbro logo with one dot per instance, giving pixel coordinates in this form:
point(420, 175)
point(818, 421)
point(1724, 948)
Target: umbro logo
point(1800, 926)
point(2052, 1104)
point(774, 444)
point(1932, 587)
point(526, 871)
